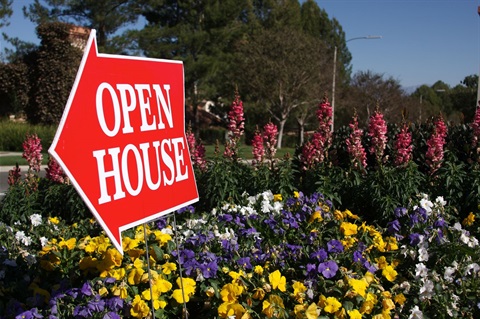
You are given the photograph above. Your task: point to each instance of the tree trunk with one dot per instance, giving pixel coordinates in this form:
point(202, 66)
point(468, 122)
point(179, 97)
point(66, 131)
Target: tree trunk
point(301, 132)
point(280, 133)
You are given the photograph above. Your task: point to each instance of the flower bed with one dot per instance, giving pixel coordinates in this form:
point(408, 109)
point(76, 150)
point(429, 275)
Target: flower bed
point(262, 257)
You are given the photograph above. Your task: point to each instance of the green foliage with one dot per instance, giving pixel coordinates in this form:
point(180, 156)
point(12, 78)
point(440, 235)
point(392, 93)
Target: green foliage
point(13, 134)
point(5, 11)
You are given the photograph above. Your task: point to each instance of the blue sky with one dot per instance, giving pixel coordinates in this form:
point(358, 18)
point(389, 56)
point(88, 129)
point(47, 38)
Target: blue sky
point(423, 41)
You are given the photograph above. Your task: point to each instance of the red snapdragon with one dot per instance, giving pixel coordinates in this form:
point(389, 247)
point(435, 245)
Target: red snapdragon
point(197, 150)
point(403, 146)
point(476, 131)
point(316, 150)
point(54, 172)
point(270, 135)
point(377, 130)
point(236, 126)
point(258, 151)
point(32, 152)
point(358, 156)
point(435, 143)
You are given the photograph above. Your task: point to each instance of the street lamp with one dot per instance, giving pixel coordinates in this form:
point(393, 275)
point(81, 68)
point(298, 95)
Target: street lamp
point(368, 37)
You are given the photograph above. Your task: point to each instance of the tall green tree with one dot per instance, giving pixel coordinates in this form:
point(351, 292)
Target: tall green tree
point(106, 16)
point(202, 35)
point(315, 21)
point(5, 12)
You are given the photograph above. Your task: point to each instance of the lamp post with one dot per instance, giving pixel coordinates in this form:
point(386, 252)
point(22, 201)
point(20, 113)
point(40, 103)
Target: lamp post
point(478, 81)
point(368, 37)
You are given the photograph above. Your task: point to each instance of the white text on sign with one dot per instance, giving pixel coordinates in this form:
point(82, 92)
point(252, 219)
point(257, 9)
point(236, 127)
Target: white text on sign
point(168, 154)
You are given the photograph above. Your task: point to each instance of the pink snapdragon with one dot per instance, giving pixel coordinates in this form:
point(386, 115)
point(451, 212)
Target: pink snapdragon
point(270, 135)
point(377, 130)
point(435, 143)
point(54, 172)
point(197, 150)
point(476, 131)
point(258, 151)
point(236, 126)
point(14, 176)
point(309, 155)
point(403, 146)
point(358, 156)
point(316, 150)
point(236, 121)
point(32, 152)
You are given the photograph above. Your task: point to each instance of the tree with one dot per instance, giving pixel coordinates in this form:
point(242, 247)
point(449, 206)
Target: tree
point(202, 35)
point(281, 68)
point(106, 16)
point(315, 21)
point(368, 89)
point(5, 12)
point(52, 75)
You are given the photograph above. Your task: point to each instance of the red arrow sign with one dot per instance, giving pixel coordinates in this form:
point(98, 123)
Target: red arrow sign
point(122, 142)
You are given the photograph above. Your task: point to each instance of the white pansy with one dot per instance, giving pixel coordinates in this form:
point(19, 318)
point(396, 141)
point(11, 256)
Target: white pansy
point(422, 254)
point(36, 219)
point(421, 270)
point(449, 271)
point(439, 200)
point(167, 230)
point(426, 204)
point(43, 241)
point(21, 237)
point(472, 269)
point(426, 291)
point(415, 313)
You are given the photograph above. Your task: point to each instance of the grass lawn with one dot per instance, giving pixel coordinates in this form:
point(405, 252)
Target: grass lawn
point(245, 152)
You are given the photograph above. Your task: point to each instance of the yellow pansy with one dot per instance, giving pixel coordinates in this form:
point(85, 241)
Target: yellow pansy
point(54, 220)
point(381, 262)
point(312, 311)
point(259, 294)
point(129, 243)
point(228, 310)
point(162, 237)
point(277, 197)
point(354, 314)
point(332, 305)
point(391, 244)
point(296, 194)
point(278, 281)
point(348, 229)
point(389, 273)
point(469, 220)
point(388, 304)
point(189, 286)
point(120, 291)
point(400, 299)
point(316, 216)
point(167, 268)
point(298, 288)
point(338, 215)
point(258, 269)
point(135, 276)
point(230, 292)
point(69, 244)
point(139, 309)
point(359, 286)
point(350, 214)
point(103, 291)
